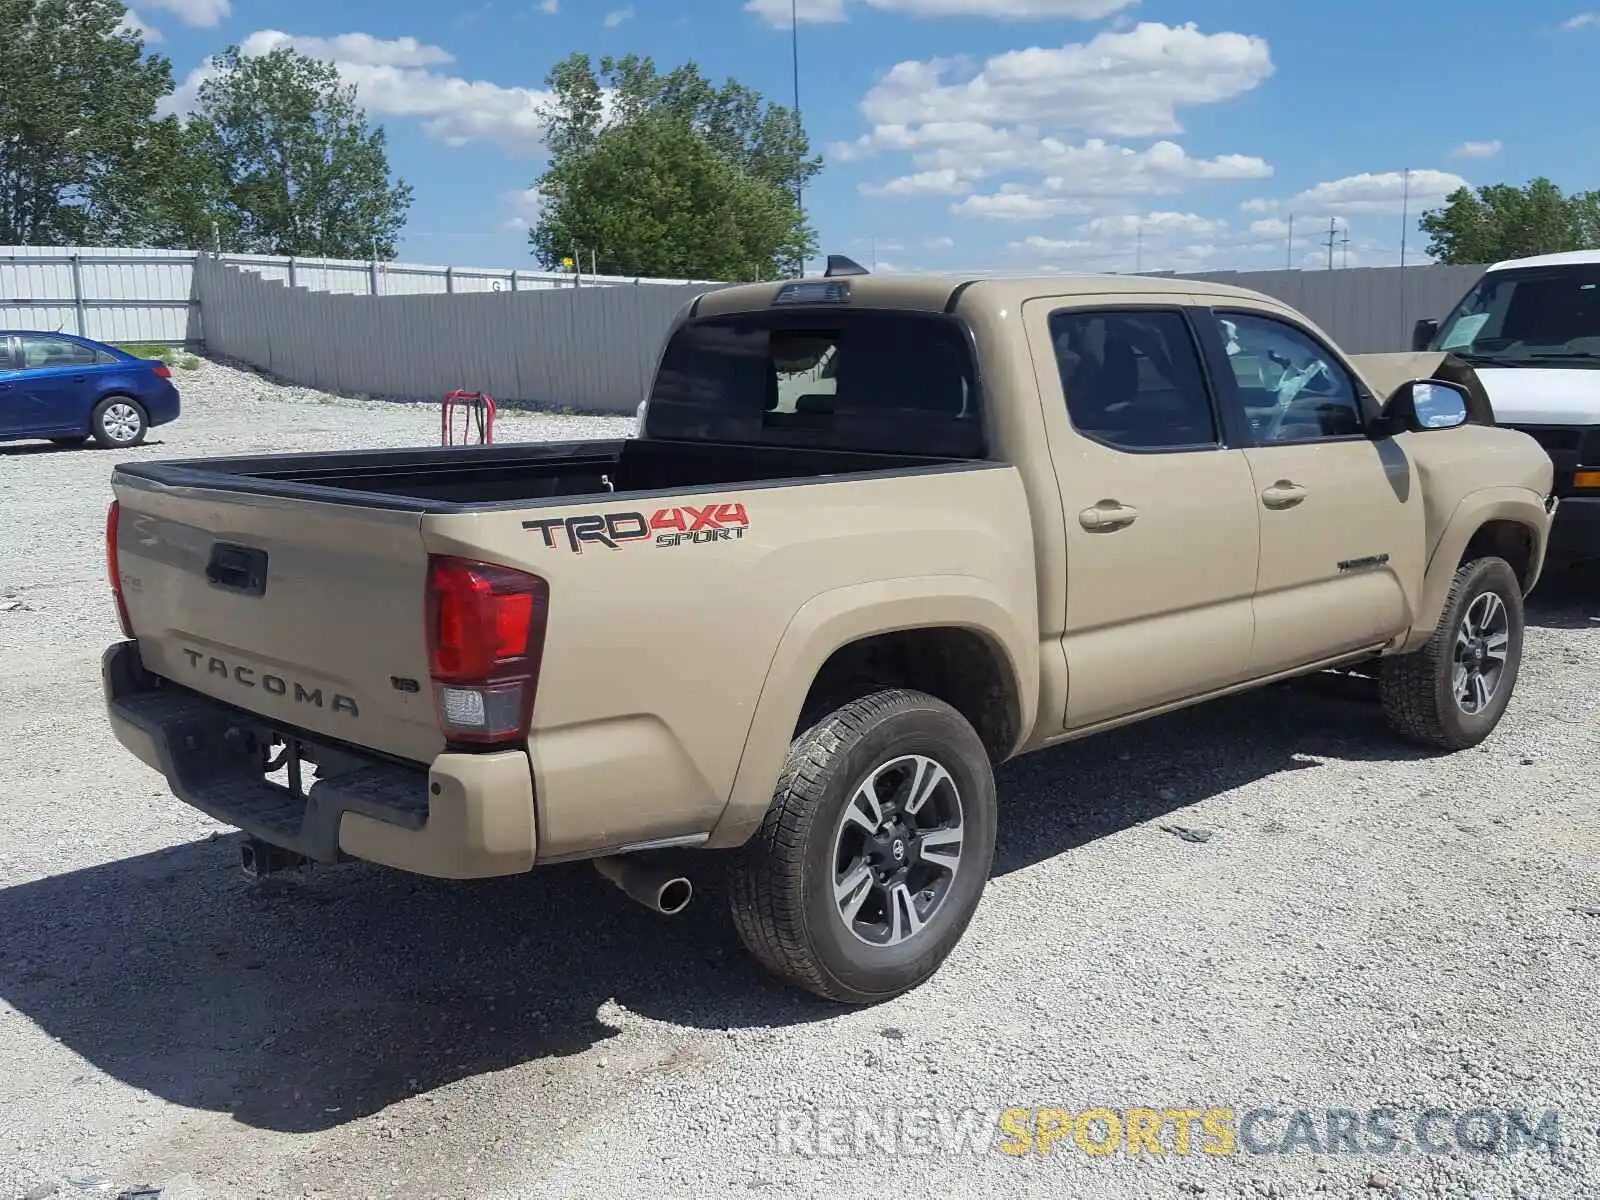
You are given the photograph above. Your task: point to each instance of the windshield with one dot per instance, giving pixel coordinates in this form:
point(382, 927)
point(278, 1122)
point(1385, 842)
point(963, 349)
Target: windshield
point(1528, 318)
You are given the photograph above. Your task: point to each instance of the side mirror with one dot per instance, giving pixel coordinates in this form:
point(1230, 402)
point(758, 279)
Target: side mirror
point(1423, 333)
point(1422, 405)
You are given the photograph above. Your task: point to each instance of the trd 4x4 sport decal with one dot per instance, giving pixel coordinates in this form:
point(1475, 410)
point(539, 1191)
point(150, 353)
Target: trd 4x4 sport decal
point(686, 526)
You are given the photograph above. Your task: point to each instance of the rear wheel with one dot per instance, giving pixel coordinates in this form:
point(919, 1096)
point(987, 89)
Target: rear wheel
point(875, 853)
point(118, 422)
point(1451, 693)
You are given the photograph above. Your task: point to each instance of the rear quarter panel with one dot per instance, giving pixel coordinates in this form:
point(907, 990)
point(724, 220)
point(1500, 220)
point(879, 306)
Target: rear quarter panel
point(660, 652)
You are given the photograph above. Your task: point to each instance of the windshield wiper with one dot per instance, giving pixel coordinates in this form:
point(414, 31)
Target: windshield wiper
point(1581, 355)
point(1490, 360)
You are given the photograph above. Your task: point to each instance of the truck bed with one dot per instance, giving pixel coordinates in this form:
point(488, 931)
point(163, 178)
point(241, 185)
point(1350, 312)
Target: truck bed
point(453, 479)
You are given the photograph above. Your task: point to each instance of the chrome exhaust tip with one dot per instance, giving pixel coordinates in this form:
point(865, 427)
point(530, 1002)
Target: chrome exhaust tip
point(657, 888)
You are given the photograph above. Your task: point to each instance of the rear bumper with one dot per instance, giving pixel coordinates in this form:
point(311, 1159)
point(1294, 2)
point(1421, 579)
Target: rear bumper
point(466, 816)
point(164, 406)
point(1575, 532)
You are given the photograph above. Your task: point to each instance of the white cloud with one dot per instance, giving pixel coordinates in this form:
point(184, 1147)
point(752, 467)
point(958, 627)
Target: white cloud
point(1013, 202)
point(944, 182)
point(1009, 10)
point(1259, 206)
point(776, 13)
point(360, 48)
point(1156, 225)
point(1377, 193)
point(1076, 178)
point(550, 6)
point(524, 208)
point(1270, 227)
point(617, 16)
point(1581, 21)
point(939, 243)
point(1128, 84)
point(133, 23)
point(1052, 247)
point(204, 13)
point(1478, 149)
point(392, 80)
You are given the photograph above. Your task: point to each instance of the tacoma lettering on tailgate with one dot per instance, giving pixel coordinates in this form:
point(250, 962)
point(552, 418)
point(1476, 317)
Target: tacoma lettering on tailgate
point(275, 685)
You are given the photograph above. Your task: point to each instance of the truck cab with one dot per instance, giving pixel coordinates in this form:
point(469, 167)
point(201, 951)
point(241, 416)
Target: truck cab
point(1530, 327)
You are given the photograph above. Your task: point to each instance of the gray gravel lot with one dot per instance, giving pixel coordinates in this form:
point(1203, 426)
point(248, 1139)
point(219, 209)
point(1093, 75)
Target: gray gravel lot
point(1366, 928)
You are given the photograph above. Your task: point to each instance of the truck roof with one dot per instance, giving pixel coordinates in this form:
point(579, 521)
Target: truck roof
point(1568, 258)
point(934, 292)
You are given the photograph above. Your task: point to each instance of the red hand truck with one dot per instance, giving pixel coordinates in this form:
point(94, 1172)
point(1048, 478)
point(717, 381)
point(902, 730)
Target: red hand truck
point(477, 416)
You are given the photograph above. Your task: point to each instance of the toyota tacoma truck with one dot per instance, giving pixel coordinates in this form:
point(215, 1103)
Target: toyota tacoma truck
point(873, 537)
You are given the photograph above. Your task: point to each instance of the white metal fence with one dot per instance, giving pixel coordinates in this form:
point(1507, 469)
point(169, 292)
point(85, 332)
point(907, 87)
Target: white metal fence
point(118, 294)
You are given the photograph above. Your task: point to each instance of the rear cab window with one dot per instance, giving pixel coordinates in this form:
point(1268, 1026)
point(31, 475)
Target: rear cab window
point(874, 380)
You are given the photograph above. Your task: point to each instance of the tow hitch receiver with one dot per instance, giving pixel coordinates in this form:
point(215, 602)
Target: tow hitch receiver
point(260, 859)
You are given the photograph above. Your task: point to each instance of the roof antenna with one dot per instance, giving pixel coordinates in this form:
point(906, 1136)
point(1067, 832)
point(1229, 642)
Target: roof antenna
point(838, 264)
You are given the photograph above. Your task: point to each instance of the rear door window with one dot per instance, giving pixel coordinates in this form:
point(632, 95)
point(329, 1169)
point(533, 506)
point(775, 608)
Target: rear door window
point(864, 380)
point(42, 352)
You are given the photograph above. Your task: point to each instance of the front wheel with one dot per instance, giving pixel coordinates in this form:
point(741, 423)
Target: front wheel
point(875, 852)
point(118, 423)
point(1451, 693)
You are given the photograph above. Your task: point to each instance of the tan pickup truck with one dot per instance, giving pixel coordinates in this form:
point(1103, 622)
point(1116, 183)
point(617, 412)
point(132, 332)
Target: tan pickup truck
point(875, 536)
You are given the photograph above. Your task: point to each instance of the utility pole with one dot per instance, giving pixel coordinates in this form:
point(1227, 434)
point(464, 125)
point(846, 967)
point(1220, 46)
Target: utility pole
point(1138, 245)
point(1345, 242)
point(1333, 229)
point(1405, 229)
point(1405, 213)
point(799, 127)
point(1288, 264)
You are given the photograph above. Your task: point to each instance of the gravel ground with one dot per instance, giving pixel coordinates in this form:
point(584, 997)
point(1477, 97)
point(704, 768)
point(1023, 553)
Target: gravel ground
point(1364, 928)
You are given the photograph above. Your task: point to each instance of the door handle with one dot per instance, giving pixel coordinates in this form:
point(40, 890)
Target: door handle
point(1107, 516)
point(1283, 494)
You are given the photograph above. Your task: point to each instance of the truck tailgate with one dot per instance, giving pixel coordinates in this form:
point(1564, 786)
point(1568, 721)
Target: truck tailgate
point(304, 612)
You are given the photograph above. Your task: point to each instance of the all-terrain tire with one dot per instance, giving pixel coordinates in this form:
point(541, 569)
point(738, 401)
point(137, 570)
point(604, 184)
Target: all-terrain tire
point(782, 881)
point(1419, 697)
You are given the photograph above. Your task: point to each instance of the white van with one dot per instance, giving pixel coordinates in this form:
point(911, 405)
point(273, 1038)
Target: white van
point(1530, 327)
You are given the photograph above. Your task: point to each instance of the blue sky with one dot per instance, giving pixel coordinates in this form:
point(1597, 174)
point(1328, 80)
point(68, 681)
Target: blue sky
point(991, 134)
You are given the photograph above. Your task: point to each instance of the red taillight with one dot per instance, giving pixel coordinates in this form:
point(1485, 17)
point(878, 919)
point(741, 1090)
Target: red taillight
point(162, 371)
point(486, 627)
point(113, 519)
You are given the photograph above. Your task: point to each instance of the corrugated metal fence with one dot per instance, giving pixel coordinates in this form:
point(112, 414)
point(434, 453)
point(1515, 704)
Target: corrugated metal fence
point(110, 294)
point(588, 348)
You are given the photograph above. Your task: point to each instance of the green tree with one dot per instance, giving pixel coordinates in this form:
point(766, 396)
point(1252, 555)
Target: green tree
point(77, 104)
point(297, 169)
point(671, 174)
point(652, 197)
point(1501, 221)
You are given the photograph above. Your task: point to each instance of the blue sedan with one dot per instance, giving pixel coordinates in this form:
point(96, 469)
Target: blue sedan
point(65, 388)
